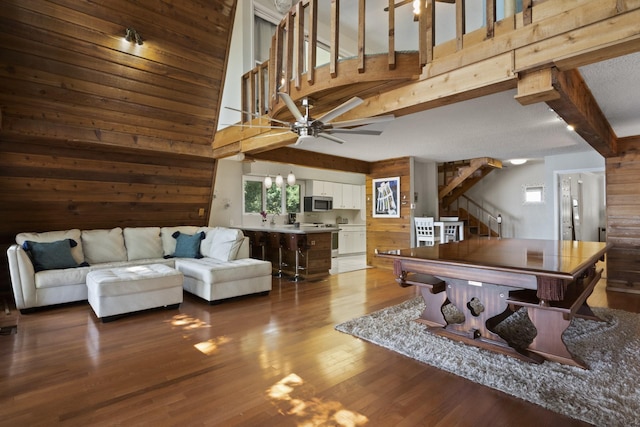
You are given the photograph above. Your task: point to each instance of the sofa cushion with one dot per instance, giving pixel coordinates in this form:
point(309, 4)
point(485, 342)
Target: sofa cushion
point(51, 255)
point(142, 242)
point(61, 277)
point(225, 243)
point(104, 245)
point(211, 270)
point(53, 236)
point(169, 242)
point(187, 245)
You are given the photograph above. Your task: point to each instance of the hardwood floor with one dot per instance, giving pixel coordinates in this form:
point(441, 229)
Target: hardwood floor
point(256, 361)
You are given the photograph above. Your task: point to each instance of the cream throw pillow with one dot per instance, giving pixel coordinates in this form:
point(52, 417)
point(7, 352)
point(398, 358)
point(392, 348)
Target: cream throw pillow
point(143, 242)
point(103, 246)
point(225, 243)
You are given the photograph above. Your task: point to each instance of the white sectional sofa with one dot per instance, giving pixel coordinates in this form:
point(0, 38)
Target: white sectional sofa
point(51, 267)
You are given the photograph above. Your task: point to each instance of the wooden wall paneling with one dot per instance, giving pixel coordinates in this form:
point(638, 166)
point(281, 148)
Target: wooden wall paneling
point(388, 233)
point(623, 221)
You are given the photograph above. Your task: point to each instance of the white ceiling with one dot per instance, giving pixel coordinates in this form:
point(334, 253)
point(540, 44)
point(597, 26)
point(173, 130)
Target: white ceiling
point(497, 125)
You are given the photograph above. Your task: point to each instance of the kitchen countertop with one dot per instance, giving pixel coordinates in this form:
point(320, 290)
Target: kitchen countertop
point(286, 228)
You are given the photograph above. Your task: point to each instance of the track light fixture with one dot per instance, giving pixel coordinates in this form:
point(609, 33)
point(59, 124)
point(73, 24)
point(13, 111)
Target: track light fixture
point(132, 35)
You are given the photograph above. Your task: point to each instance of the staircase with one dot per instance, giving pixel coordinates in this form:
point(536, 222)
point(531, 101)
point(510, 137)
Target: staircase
point(461, 176)
point(457, 178)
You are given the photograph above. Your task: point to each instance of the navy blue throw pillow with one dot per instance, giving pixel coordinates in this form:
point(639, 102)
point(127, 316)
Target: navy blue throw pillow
point(188, 246)
point(51, 255)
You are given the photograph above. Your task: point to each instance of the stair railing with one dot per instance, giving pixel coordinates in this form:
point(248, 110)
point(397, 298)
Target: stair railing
point(493, 222)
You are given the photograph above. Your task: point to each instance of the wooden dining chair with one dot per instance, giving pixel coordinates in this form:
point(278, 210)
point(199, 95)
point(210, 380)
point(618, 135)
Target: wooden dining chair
point(450, 230)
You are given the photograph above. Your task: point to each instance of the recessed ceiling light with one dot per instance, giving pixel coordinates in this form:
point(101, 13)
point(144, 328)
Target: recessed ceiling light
point(518, 161)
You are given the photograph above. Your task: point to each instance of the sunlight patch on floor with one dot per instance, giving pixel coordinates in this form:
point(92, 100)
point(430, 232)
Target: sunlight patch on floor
point(209, 347)
point(295, 398)
point(189, 325)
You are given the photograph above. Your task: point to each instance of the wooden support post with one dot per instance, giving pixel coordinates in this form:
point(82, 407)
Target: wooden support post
point(460, 23)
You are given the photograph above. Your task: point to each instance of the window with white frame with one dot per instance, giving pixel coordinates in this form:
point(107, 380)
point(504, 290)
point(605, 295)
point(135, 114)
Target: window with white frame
point(257, 197)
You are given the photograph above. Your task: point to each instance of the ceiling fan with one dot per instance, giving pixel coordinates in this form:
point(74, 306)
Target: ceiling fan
point(307, 127)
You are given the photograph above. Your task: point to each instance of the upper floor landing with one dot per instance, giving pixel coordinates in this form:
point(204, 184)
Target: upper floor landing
point(402, 60)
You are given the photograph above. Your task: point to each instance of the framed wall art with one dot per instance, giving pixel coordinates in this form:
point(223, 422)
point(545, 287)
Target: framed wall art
point(386, 197)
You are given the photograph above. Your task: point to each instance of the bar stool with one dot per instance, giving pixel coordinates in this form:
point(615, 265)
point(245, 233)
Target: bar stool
point(257, 239)
point(297, 242)
point(277, 240)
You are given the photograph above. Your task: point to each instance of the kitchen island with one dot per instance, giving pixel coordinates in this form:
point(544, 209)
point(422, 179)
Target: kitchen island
point(314, 257)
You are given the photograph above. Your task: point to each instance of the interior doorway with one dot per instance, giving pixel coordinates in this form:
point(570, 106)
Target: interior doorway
point(582, 204)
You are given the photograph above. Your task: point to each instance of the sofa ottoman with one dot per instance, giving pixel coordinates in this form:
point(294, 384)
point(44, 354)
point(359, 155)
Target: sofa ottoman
point(113, 292)
point(214, 280)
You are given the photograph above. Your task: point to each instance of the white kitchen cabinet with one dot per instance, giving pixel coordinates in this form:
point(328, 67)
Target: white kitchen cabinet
point(336, 193)
point(351, 195)
point(352, 240)
point(319, 188)
point(345, 196)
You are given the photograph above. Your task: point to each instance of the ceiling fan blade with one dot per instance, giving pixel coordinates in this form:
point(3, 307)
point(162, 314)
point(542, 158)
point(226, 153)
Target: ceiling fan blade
point(292, 106)
point(253, 126)
point(265, 135)
point(256, 115)
point(331, 138)
point(362, 121)
point(340, 110)
point(354, 131)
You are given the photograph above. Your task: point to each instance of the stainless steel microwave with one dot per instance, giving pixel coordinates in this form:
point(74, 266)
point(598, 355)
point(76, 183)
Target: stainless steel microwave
point(318, 204)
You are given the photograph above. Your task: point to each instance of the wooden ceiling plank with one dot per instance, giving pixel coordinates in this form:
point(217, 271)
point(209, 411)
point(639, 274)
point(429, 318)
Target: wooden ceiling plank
point(134, 114)
point(94, 118)
point(87, 30)
point(36, 128)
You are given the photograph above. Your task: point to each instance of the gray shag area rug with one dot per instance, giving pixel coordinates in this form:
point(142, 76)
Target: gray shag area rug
point(607, 394)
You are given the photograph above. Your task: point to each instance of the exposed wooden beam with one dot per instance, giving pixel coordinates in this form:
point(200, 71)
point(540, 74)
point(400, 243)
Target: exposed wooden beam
point(302, 157)
point(483, 78)
point(568, 95)
point(536, 86)
point(603, 31)
point(268, 141)
point(578, 107)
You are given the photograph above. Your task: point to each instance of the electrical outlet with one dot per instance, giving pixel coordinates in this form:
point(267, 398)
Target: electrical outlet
point(201, 212)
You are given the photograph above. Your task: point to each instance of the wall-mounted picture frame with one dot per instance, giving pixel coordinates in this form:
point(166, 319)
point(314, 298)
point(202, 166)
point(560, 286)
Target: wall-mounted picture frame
point(386, 197)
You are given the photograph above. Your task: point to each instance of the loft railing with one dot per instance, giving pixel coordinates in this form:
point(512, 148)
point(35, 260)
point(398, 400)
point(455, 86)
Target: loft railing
point(296, 44)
